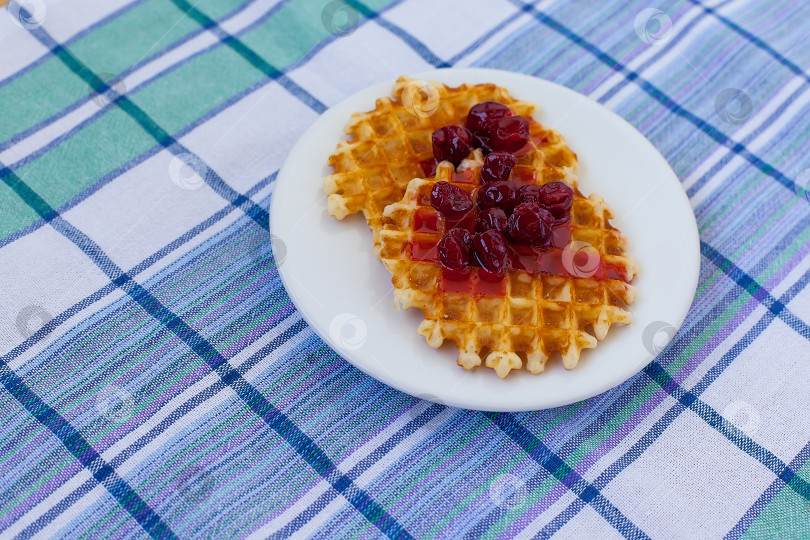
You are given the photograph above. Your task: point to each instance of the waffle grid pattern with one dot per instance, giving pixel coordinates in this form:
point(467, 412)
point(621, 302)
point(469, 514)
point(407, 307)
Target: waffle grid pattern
point(386, 147)
point(536, 316)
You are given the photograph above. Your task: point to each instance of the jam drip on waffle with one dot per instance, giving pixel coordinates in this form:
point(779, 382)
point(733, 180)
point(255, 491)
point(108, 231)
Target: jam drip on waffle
point(557, 259)
point(556, 298)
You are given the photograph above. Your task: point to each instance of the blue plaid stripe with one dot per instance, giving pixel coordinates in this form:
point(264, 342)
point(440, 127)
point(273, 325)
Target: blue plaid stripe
point(112, 175)
point(778, 485)
point(177, 243)
point(291, 332)
point(418, 47)
point(132, 69)
point(658, 428)
point(251, 57)
point(675, 41)
point(746, 283)
point(475, 45)
point(732, 433)
point(656, 93)
point(105, 88)
point(73, 39)
point(756, 290)
point(586, 492)
point(726, 159)
point(150, 126)
point(752, 38)
point(319, 504)
point(86, 455)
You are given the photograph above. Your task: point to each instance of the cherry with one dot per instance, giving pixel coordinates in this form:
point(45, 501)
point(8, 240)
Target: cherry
point(454, 250)
point(449, 199)
point(428, 167)
point(482, 142)
point(510, 133)
point(555, 196)
point(530, 194)
point(452, 143)
point(491, 218)
point(501, 195)
point(530, 224)
point(483, 115)
point(558, 197)
point(497, 167)
point(489, 248)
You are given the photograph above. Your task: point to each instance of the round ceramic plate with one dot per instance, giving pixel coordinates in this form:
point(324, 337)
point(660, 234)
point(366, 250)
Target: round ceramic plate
point(345, 294)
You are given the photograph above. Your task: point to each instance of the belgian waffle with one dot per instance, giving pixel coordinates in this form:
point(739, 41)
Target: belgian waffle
point(391, 145)
point(563, 300)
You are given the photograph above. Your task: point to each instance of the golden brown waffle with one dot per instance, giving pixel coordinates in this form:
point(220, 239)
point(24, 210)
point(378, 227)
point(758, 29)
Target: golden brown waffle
point(386, 147)
point(527, 316)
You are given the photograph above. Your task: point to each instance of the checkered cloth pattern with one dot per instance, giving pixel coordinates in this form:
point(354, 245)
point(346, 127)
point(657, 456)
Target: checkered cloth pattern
point(157, 381)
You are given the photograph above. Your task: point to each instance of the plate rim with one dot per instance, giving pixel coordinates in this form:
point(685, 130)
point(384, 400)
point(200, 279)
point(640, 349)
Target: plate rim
point(492, 74)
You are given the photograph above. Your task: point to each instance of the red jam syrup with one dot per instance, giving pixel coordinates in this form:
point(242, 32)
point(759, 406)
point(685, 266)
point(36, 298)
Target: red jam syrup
point(472, 284)
point(550, 259)
point(523, 175)
point(467, 176)
point(426, 220)
point(425, 250)
point(428, 167)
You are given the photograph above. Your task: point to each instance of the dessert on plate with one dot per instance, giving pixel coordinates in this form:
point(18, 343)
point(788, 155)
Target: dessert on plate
point(476, 212)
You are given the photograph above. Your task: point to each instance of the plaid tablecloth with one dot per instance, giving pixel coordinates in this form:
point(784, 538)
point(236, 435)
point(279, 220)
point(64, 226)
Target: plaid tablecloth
point(156, 379)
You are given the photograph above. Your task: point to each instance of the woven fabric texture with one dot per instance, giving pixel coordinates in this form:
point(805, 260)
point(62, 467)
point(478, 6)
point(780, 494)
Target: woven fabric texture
point(157, 380)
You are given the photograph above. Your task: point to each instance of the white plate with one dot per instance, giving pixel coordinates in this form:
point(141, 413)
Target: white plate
point(345, 294)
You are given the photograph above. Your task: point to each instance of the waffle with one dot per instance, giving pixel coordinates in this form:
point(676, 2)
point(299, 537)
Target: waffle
point(526, 317)
point(391, 145)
